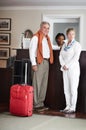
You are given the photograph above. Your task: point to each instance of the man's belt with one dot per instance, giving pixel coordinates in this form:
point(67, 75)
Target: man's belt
point(46, 59)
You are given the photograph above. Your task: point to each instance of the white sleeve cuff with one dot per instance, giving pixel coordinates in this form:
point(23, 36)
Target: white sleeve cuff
point(34, 63)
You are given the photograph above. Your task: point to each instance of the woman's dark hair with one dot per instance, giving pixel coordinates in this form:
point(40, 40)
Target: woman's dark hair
point(58, 35)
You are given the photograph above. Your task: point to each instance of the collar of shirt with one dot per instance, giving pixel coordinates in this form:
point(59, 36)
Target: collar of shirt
point(68, 46)
point(66, 42)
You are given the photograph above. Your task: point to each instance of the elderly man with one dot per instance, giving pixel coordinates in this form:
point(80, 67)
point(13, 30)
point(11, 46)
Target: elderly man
point(40, 54)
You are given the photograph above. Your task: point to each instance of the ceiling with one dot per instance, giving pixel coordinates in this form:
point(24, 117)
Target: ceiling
point(42, 3)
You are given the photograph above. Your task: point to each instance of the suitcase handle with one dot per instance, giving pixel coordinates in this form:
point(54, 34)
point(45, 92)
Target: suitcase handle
point(26, 72)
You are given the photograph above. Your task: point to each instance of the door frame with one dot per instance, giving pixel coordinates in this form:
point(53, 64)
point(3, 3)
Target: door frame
point(52, 18)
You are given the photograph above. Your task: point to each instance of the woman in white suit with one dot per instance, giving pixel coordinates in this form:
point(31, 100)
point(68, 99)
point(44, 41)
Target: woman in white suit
point(69, 60)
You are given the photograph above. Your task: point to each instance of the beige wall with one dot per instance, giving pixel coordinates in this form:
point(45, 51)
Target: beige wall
point(30, 19)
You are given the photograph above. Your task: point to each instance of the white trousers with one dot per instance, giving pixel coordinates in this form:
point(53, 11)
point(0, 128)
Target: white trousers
point(71, 82)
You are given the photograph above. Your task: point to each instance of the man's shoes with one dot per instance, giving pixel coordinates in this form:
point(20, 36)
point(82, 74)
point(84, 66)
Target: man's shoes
point(43, 109)
point(40, 109)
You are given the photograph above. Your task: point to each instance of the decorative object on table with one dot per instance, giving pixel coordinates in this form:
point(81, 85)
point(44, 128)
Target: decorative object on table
point(5, 39)
point(25, 39)
point(5, 24)
point(4, 52)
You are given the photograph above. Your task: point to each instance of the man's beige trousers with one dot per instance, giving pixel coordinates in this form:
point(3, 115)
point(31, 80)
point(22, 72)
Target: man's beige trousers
point(40, 80)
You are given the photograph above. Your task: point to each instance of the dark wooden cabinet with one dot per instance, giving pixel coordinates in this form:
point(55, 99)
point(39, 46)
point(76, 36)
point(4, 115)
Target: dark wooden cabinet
point(5, 84)
point(8, 75)
point(81, 103)
point(22, 54)
point(19, 72)
point(55, 95)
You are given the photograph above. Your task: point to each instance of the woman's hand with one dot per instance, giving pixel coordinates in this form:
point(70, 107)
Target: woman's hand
point(65, 68)
point(34, 68)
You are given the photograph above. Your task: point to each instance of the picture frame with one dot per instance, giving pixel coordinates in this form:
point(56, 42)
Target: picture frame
point(5, 24)
point(3, 63)
point(4, 52)
point(5, 38)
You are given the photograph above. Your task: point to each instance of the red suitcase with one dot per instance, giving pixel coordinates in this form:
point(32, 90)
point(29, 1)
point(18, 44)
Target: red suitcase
point(21, 98)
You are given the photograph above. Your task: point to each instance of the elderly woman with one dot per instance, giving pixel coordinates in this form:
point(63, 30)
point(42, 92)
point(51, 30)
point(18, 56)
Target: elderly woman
point(69, 60)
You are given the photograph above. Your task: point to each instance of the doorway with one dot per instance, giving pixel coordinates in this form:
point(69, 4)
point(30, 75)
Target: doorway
point(60, 23)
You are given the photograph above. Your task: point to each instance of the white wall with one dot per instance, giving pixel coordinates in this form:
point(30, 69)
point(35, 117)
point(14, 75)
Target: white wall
point(30, 19)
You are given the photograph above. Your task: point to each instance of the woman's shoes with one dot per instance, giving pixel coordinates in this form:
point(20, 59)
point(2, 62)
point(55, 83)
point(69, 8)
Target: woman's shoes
point(70, 112)
point(64, 111)
point(67, 111)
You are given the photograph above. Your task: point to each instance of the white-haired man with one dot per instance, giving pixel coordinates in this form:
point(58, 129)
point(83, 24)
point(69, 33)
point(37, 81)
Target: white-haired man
point(40, 54)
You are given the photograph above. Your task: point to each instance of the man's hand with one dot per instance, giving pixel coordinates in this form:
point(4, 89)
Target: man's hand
point(65, 68)
point(34, 68)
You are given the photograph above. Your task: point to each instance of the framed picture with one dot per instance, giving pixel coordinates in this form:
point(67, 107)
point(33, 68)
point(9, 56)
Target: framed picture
point(5, 38)
point(4, 52)
point(5, 24)
point(3, 63)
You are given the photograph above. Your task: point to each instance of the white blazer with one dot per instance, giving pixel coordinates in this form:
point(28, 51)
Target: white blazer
point(70, 56)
